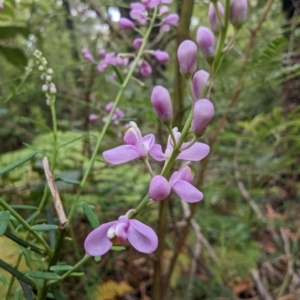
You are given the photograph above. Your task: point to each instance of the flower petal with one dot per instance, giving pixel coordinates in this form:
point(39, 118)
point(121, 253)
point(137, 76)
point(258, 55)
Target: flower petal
point(186, 191)
point(195, 153)
point(121, 154)
point(142, 237)
point(148, 141)
point(156, 152)
point(97, 243)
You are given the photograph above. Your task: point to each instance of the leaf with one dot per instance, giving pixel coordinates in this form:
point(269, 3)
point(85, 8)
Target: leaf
point(3, 280)
point(16, 273)
point(39, 124)
point(60, 268)
point(119, 75)
point(4, 220)
point(23, 206)
point(90, 215)
point(77, 274)
point(43, 275)
point(14, 56)
point(23, 243)
point(117, 248)
point(44, 227)
point(17, 163)
point(8, 32)
point(26, 290)
point(274, 48)
point(17, 294)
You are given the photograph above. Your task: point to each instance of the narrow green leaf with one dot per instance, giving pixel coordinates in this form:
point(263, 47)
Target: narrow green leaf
point(119, 75)
point(16, 273)
point(39, 124)
point(17, 294)
point(4, 220)
point(69, 181)
point(77, 274)
point(43, 275)
point(3, 280)
point(44, 227)
point(117, 248)
point(14, 55)
point(23, 243)
point(21, 206)
point(90, 215)
point(17, 163)
point(26, 290)
point(60, 268)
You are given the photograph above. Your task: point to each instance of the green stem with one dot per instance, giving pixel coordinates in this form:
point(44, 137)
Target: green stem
point(26, 226)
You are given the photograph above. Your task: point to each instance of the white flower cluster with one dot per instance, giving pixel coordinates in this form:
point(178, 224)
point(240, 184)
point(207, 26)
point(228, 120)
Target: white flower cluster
point(48, 86)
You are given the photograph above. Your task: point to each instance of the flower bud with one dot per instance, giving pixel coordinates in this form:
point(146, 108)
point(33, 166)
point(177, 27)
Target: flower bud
point(171, 19)
point(159, 188)
point(52, 88)
point(206, 41)
point(161, 56)
point(1, 6)
point(213, 18)
point(137, 43)
point(126, 24)
point(187, 57)
point(199, 81)
point(41, 68)
point(44, 87)
point(202, 115)
point(238, 12)
point(161, 101)
point(163, 10)
point(145, 69)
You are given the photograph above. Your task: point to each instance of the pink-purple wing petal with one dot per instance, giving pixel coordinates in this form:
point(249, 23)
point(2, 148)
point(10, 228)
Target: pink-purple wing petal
point(97, 243)
point(156, 152)
point(121, 154)
point(195, 153)
point(142, 237)
point(186, 191)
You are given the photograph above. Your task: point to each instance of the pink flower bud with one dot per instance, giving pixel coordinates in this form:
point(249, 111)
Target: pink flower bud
point(102, 53)
point(161, 56)
point(203, 114)
point(159, 188)
point(137, 43)
point(87, 54)
point(161, 101)
point(145, 69)
point(238, 12)
point(1, 6)
point(126, 24)
point(138, 15)
point(187, 57)
point(93, 117)
point(206, 41)
point(199, 81)
point(214, 21)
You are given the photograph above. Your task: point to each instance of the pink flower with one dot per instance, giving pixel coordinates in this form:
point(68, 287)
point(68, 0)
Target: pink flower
point(137, 43)
point(238, 12)
point(142, 237)
point(145, 69)
point(202, 115)
point(214, 21)
point(171, 19)
point(137, 146)
point(161, 56)
point(206, 41)
point(194, 153)
point(187, 57)
point(93, 117)
point(87, 54)
point(179, 183)
point(163, 10)
point(161, 101)
point(126, 24)
point(199, 81)
point(138, 15)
